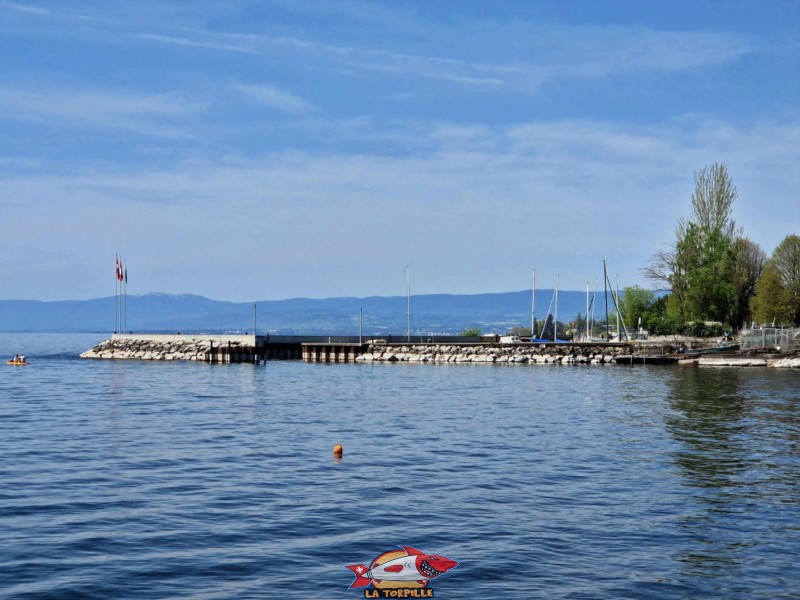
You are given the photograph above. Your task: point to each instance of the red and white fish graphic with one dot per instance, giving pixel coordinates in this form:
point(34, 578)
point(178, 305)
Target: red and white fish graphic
point(416, 566)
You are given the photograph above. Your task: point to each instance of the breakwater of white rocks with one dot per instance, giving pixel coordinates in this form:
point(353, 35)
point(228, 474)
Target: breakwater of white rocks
point(788, 362)
point(203, 350)
point(551, 354)
point(534, 354)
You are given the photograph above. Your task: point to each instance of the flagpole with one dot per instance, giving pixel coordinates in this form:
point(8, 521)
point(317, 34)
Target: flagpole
point(125, 280)
point(605, 285)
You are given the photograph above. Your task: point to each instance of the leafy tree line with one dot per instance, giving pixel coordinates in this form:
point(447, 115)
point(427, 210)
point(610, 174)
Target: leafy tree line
point(714, 273)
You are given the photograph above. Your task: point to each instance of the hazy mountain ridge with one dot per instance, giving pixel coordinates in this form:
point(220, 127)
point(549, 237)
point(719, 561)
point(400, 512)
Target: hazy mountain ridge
point(432, 313)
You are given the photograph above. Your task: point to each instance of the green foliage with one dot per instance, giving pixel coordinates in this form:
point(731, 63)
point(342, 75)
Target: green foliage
point(777, 295)
point(673, 309)
point(667, 326)
point(748, 265)
point(787, 261)
point(663, 326)
point(700, 268)
point(771, 303)
point(709, 293)
point(471, 332)
point(635, 302)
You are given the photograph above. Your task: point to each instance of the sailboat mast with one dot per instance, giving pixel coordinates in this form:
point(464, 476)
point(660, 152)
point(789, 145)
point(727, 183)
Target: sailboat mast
point(586, 320)
point(408, 299)
point(533, 305)
point(555, 316)
point(605, 287)
point(594, 305)
point(616, 303)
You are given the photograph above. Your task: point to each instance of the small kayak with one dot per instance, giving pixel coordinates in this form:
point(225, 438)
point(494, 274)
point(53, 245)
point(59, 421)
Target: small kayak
point(16, 362)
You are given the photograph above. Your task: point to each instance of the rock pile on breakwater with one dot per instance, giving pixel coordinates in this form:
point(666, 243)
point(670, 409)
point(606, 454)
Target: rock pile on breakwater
point(532, 354)
point(198, 350)
point(788, 362)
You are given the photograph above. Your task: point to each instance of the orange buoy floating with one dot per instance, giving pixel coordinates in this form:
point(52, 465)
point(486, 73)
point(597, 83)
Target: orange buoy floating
point(338, 450)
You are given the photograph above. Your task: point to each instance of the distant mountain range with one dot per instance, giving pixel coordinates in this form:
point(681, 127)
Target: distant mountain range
point(430, 314)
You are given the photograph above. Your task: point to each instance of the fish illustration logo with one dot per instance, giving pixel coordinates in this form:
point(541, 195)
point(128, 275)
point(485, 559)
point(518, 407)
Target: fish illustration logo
point(406, 568)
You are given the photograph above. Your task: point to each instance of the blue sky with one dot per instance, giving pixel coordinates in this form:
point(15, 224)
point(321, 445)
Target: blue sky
point(273, 149)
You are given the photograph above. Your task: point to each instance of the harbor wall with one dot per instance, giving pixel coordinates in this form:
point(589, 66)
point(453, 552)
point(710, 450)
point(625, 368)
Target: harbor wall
point(231, 348)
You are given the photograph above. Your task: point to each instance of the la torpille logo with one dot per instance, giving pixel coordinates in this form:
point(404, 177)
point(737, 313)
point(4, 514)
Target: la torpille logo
point(403, 573)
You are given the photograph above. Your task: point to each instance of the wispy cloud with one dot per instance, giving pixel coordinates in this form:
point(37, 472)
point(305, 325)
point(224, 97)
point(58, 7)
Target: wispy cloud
point(144, 113)
point(600, 51)
point(274, 98)
point(26, 8)
point(547, 53)
point(197, 43)
point(519, 56)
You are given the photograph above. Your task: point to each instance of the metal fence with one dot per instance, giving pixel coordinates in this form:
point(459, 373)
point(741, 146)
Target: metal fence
point(771, 337)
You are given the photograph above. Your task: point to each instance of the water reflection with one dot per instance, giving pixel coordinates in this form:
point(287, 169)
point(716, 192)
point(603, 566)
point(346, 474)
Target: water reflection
point(710, 419)
point(718, 423)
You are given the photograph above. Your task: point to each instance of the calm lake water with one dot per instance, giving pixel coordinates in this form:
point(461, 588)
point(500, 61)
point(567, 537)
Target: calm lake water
point(125, 479)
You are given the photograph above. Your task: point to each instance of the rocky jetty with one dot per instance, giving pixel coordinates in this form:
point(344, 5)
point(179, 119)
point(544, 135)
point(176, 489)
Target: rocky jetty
point(525, 354)
point(550, 354)
point(788, 362)
point(197, 350)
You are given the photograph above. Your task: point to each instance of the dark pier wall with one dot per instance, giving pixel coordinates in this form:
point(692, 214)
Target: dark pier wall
point(332, 352)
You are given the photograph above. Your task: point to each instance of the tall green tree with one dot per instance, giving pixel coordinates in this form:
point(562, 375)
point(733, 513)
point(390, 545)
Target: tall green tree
point(787, 261)
point(698, 268)
point(709, 293)
point(777, 297)
point(748, 265)
point(771, 303)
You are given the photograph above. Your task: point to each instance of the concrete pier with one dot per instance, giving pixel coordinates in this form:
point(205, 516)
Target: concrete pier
point(332, 352)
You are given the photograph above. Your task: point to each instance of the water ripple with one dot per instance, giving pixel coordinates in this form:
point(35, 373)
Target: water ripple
point(153, 480)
